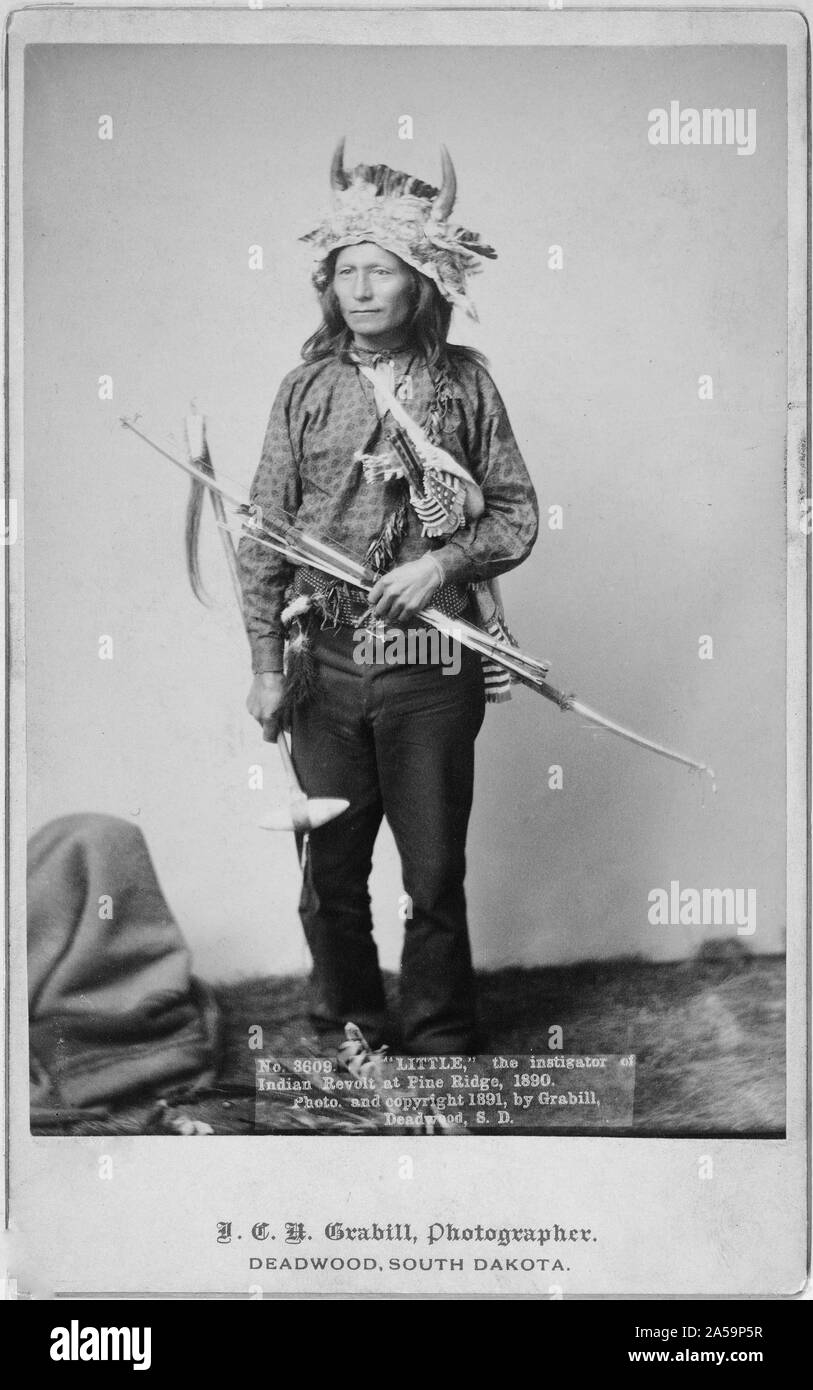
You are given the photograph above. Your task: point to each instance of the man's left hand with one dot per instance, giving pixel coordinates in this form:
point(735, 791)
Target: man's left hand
point(402, 592)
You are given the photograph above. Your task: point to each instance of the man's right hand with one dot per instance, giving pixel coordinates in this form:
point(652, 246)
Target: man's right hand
point(264, 699)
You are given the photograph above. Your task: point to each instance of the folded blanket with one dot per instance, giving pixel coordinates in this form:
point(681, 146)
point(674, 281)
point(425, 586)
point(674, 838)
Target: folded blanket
point(114, 1010)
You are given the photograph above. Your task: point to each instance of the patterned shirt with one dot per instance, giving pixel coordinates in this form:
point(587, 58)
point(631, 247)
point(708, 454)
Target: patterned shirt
point(324, 414)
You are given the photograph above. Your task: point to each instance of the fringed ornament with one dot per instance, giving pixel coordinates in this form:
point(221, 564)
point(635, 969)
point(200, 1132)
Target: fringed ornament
point(498, 681)
point(301, 682)
point(381, 554)
point(300, 618)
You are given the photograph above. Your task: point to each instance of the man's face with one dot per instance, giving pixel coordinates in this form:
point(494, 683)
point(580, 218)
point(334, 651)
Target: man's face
point(373, 288)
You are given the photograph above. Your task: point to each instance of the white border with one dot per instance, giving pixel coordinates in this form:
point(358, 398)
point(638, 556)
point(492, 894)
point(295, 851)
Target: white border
point(748, 1240)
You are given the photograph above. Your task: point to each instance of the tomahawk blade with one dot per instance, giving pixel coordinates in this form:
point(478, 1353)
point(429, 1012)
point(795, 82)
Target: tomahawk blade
point(318, 810)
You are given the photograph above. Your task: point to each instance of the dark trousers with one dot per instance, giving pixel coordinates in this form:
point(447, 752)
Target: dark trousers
point(396, 741)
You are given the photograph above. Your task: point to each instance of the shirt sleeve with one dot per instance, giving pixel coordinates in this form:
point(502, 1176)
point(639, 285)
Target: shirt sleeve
point(505, 534)
point(265, 575)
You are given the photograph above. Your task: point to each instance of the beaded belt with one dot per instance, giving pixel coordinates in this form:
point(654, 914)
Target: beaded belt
point(351, 603)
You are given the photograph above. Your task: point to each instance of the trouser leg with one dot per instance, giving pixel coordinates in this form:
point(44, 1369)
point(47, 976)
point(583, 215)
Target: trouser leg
point(334, 754)
point(425, 726)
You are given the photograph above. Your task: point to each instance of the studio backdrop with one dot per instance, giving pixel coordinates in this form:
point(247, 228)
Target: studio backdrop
point(635, 323)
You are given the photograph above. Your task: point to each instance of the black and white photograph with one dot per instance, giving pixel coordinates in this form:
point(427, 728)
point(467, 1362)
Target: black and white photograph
point(407, 533)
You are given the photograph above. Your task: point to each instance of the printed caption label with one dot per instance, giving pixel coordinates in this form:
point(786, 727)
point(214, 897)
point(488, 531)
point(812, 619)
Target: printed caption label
point(477, 1094)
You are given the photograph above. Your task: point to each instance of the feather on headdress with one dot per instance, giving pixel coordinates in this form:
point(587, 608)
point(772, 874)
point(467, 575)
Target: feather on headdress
point(405, 216)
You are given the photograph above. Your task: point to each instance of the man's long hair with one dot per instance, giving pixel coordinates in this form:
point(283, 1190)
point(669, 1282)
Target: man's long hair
point(427, 328)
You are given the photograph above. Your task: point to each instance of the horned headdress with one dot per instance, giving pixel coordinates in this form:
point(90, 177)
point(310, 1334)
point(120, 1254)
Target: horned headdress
point(402, 215)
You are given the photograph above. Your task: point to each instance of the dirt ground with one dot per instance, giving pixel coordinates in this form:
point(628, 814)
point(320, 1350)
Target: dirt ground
point(708, 1037)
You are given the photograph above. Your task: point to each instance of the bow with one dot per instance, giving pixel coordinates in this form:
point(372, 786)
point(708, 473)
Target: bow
point(282, 535)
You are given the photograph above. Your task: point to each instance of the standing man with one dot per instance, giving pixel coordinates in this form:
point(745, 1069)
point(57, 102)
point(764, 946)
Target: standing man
point(397, 740)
